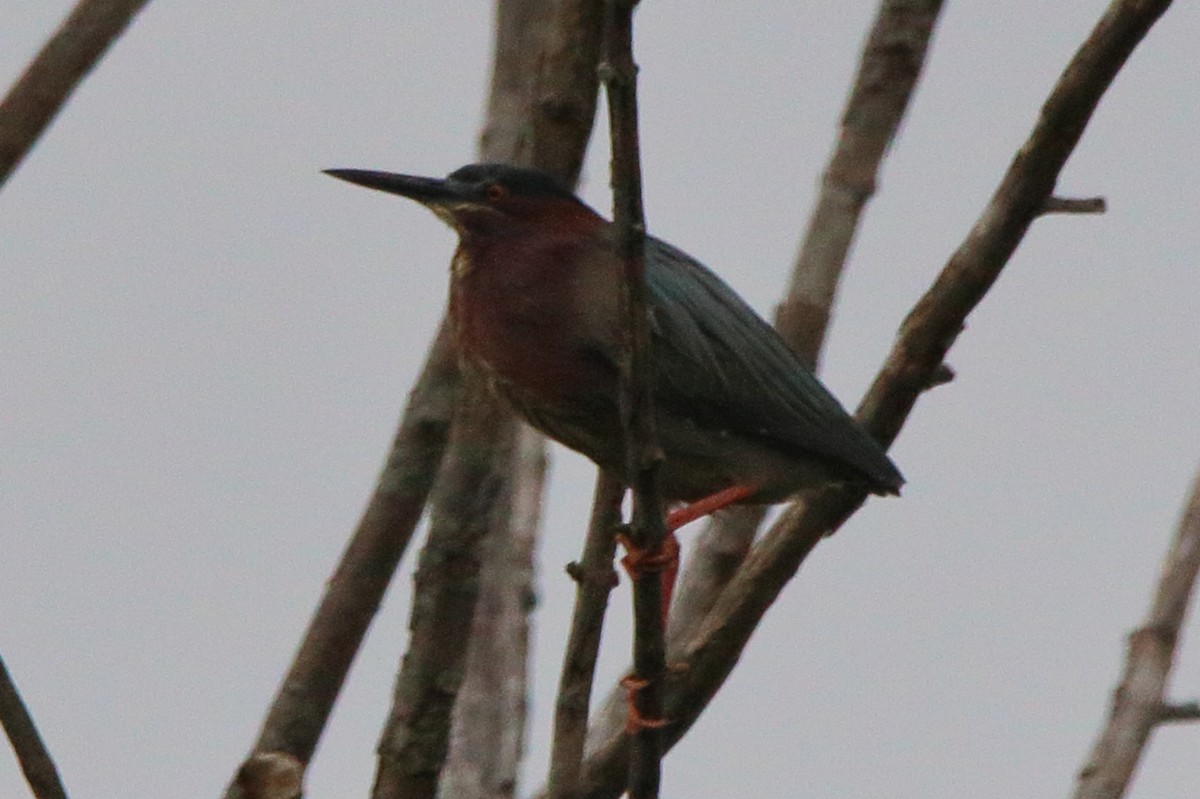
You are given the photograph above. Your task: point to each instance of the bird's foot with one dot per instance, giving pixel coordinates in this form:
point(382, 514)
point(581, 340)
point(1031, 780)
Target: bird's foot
point(663, 559)
point(636, 721)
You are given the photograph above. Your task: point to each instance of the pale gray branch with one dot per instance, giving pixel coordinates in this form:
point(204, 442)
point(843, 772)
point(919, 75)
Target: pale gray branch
point(1137, 702)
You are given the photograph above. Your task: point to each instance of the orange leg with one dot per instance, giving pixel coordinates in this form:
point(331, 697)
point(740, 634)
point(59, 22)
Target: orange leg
point(665, 559)
point(706, 505)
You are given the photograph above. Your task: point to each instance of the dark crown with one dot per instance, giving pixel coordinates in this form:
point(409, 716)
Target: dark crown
point(520, 181)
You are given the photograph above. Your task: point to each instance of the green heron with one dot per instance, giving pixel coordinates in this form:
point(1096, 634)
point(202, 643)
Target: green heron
point(534, 290)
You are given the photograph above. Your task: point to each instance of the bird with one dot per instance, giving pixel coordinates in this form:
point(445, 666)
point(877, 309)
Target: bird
point(534, 307)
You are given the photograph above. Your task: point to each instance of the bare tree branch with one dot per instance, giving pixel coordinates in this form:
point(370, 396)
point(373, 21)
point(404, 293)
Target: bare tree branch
point(889, 67)
point(36, 763)
point(540, 112)
point(1137, 702)
point(922, 343)
point(488, 724)
point(468, 503)
point(270, 775)
point(648, 529)
point(38, 95)
point(352, 595)
point(594, 580)
point(302, 707)
point(1172, 713)
point(1074, 205)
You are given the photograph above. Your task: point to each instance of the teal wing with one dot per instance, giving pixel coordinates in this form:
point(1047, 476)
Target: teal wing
point(710, 344)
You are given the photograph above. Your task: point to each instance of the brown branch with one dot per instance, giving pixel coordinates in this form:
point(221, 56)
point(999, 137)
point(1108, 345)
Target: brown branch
point(921, 345)
point(36, 763)
point(1137, 702)
point(1074, 205)
point(352, 595)
point(270, 775)
point(1184, 711)
point(647, 529)
point(889, 67)
point(594, 580)
point(38, 95)
point(468, 503)
point(301, 709)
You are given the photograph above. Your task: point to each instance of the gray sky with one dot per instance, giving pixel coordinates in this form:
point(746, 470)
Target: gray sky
point(206, 345)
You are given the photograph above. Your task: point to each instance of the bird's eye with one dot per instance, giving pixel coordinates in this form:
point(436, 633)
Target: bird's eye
point(495, 192)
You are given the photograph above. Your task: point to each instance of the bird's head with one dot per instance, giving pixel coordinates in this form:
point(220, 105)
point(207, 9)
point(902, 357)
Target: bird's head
point(486, 199)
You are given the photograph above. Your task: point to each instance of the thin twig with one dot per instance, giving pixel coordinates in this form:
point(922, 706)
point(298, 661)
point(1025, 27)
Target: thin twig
point(36, 763)
point(1074, 205)
point(1137, 702)
point(889, 66)
point(921, 345)
point(594, 580)
point(38, 95)
point(1181, 712)
point(643, 456)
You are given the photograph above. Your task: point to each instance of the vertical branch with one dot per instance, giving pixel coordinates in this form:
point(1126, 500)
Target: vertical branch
point(36, 763)
point(594, 579)
point(889, 67)
point(643, 456)
point(301, 708)
point(540, 112)
point(1138, 701)
point(488, 723)
point(69, 55)
point(485, 472)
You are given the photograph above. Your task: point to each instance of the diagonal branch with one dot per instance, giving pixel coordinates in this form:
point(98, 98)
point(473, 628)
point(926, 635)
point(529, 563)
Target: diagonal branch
point(70, 54)
point(912, 365)
point(1138, 701)
point(36, 763)
point(305, 699)
point(888, 69)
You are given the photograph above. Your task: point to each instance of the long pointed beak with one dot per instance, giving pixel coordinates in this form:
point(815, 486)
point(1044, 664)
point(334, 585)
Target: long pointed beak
point(429, 191)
